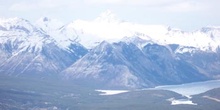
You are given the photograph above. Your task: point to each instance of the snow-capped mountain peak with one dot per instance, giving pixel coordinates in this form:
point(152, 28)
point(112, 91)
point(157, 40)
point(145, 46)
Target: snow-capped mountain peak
point(49, 25)
point(62, 34)
point(141, 55)
point(107, 16)
point(16, 24)
point(19, 34)
point(14, 20)
point(108, 27)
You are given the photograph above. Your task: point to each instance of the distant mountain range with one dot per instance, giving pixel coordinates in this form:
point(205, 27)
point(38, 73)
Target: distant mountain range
point(108, 51)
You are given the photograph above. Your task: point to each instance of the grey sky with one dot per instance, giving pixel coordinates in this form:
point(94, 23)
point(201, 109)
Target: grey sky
point(183, 14)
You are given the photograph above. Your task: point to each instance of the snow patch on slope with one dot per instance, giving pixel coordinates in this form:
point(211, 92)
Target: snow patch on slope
point(111, 92)
point(181, 101)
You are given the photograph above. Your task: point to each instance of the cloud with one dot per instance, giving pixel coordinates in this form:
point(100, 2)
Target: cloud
point(104, 1)
point(41, 4)
point(132, 2)
point(22, 7)
point(187, 6)
point(165, 5)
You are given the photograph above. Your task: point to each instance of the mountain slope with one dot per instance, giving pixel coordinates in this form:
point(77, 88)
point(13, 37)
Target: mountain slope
point(133, 55)
point(124, 64)
point(25, 49)
point(207, 63)
point(103, 64)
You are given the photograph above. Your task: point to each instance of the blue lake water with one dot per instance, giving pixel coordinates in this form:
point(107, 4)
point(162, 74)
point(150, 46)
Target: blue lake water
point(191, 88)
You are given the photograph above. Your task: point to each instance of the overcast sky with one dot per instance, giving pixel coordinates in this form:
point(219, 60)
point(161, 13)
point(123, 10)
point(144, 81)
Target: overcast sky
point(187, 15)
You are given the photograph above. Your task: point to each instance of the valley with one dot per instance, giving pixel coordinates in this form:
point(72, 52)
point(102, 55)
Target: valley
point(34, 94)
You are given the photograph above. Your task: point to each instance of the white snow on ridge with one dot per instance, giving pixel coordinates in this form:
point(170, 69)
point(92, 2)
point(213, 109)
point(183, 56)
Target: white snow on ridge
point(54, 28)
point(109, 28)
point(111, 92)
point(16, 23)
point(111, 31)
point(22, 35)
point(212, 98)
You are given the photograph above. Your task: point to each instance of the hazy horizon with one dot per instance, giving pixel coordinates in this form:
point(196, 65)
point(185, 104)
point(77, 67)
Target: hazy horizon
point(187, 15)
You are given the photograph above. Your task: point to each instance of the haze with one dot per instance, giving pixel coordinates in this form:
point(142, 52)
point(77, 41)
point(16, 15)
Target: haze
point(187, 15)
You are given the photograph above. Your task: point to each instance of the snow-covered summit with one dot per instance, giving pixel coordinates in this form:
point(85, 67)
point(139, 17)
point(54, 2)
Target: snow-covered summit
point(110, 28)
point(16, 24)
point(49, 25)
point(58, 31)
point(107, 16)
point(22, 36)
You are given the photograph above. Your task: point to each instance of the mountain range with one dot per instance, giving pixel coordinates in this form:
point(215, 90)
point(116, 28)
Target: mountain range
point(108, 51)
